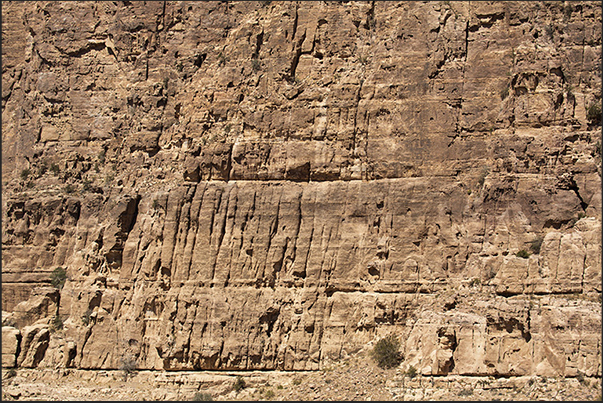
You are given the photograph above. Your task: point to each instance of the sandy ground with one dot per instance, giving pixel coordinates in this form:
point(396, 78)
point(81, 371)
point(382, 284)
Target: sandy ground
point(356, 378)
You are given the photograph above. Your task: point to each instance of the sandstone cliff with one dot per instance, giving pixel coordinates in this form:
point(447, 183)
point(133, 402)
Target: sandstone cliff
point(269, 185)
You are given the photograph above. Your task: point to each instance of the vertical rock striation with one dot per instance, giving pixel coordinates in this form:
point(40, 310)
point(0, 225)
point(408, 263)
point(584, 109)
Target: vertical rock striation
point(269, 185)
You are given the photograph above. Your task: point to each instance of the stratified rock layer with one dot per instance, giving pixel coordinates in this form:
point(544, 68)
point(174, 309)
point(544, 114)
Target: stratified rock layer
point(269, 185)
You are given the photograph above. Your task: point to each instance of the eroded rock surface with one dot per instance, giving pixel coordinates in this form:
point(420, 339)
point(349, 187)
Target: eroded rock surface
point(271, 185)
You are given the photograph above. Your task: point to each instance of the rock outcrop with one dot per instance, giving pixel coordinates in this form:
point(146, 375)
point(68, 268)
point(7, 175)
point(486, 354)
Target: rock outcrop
point(270, 185)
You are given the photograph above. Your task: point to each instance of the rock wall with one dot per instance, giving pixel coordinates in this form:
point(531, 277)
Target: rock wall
point(269, 185)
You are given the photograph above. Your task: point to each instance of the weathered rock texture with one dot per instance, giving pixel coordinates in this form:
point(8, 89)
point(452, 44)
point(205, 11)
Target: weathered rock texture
point(268, 185)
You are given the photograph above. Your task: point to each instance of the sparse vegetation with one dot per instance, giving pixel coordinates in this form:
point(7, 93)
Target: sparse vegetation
point(411, 372)
point(128, 365)
point(25, 173)
point(221, 59)
point(489, 273)
point(581, 379)
point(58, 277)
point(574, 220)
point(523, 254)
point(54, 168)
point(269, 394)
point(482, 176)
point(549, 30)
point(57, 323)
point(11, 373)
point(327, 369)
point(202, 397)
point(101, 156)
point(43, 168)
point(466, 392)
point(475, 282)
point(87, 185)
point(593, 113)
point(297, 381)
point(69, 188)
point(387, 352)
point(239, 384)
point(536, 244)
point(255, 64)
point(504, 93)
point(86, 317)
point(568, 11)
point(155, 204)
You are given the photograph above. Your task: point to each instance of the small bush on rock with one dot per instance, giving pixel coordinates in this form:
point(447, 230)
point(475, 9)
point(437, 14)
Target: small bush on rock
point(25, 173)
point(239, 384)
point(58, 278)
point(86, 317)
point(523, 254)
point(482, 176)
point(57, 323)
point(128, 365)
point(202, 397)
point(69, 188)
point(466, 392)
point(593, 113)
point(386, 352)
point(580, 377)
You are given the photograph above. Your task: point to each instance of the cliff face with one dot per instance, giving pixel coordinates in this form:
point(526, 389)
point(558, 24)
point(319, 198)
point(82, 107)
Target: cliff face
point(269, 185)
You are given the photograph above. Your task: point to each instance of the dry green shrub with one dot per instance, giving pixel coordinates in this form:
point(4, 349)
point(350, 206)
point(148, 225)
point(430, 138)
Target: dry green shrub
point(387, 352)
point(523, 254)
point(593, 113)
point(202, 397)
point(239, 384)
point(128, 365)
point(58, 277)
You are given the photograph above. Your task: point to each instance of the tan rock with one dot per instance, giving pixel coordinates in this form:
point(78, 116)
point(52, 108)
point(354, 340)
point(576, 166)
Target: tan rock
point(277, 185)
point(10, 346)
point(34, 344)
point(41, 305)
